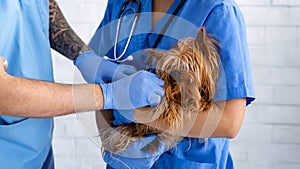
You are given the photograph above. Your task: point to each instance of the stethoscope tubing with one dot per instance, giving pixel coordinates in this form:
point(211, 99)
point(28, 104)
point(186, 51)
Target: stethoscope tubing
point(136, 17)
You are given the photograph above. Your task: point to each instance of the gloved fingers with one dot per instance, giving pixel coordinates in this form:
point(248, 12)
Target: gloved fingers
point(127, 114)
point(156, 96)
point(158, 81)
point(135, 91)
point(129, 70)
point(154, 78)
point(133, 156)
point(114, 160)
point(160, 92)
point(119, 162)
point(134, 150)
point(123, 71)
point(89, 64)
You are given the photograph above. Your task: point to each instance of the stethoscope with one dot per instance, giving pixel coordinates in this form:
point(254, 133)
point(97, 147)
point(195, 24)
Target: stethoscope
point(136, 17)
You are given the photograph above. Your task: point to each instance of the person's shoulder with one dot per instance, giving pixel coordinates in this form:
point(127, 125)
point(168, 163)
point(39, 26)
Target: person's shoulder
point(116, 2)
point(214, 3)
point(110, 2)
point(223, 7)
point(218, 5)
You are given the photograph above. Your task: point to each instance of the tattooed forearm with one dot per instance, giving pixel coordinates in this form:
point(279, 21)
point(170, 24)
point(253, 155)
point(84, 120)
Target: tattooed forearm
point(62, 37)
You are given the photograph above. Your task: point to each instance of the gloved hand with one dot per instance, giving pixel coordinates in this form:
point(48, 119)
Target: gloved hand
point(95, 69)
point(133, 157)
point(137, 90)
point(123, 117)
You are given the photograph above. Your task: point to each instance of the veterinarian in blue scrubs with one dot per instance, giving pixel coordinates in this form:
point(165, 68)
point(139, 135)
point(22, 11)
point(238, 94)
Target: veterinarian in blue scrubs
point(26, 143)
point(221, 18)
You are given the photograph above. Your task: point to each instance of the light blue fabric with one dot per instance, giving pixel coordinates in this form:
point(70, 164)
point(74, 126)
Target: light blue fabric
point(224, 20)
point(24, 42)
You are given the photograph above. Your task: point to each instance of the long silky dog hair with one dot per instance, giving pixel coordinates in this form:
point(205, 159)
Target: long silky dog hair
point(190, 71)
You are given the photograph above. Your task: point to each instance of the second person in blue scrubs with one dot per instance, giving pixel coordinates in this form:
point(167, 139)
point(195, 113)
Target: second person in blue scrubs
point(224, 20)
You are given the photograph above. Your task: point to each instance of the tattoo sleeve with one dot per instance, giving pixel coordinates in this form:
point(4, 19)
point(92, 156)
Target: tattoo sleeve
point(62, 37)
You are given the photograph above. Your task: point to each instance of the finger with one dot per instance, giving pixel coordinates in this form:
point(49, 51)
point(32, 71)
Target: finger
point(129, 70)
point(134, 150)
point(160, 92)
point(113, 160)
point(123, 71)
point(128, 114)
point(159, 82)
point(154, 78)
point(155, 97)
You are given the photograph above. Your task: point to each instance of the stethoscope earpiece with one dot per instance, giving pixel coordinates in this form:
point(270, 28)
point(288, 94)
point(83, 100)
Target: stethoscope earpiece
point(130, 57)
point(106, 57)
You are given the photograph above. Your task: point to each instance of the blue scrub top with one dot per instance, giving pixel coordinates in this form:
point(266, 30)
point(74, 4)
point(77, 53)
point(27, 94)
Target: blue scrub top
point(224, 20)
point(24, 42)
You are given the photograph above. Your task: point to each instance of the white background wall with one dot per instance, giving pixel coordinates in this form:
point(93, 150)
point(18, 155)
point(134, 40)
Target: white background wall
point(270, 136)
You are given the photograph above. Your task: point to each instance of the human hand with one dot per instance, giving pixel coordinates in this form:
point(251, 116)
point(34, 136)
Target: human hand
point(134, 157)
point(95, 69)
point(137, 90)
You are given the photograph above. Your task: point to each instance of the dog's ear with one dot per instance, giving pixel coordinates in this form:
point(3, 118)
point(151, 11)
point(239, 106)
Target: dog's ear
point(211, 59)
point(201, 35)
point(205, 39)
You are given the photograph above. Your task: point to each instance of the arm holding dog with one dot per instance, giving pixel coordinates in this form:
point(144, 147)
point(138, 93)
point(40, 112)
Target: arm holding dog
point(231, 115)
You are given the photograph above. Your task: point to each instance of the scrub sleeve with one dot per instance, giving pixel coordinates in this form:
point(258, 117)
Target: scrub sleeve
point(24, 42)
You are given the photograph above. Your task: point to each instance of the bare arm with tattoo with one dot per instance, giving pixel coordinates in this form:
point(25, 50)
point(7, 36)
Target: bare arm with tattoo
point(62, 37)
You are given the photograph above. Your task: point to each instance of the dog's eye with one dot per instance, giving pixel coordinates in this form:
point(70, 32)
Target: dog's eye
point(175, 74)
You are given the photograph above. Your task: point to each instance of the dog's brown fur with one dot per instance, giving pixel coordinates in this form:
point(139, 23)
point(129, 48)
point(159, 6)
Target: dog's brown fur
point(190, 71)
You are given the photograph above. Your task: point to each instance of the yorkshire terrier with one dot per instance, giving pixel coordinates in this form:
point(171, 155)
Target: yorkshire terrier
point(190, 71)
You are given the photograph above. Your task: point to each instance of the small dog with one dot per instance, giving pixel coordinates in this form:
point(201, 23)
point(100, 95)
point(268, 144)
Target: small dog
point(190, 71)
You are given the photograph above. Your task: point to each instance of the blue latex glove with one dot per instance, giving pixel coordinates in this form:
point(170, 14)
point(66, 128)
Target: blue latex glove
point(123, 117)
point(95, 69)
point(137, 90)
point(133, 157)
